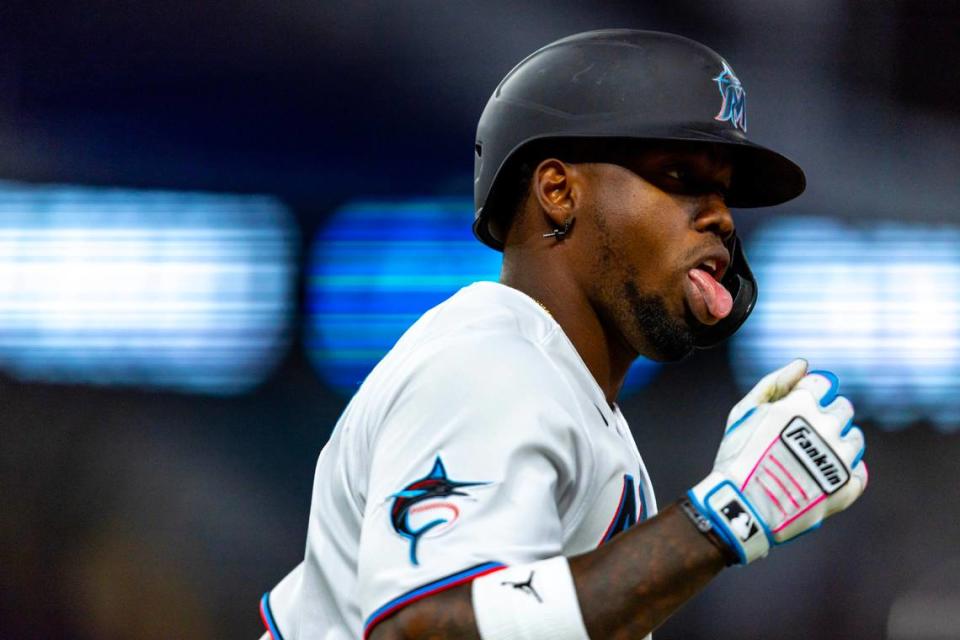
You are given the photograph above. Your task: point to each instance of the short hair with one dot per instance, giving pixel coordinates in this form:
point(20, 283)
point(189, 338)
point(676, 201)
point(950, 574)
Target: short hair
point(506, 201)
point(507, 204)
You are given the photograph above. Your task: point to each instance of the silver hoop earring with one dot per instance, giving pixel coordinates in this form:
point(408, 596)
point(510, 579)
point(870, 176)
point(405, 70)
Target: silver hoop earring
point(560, 233)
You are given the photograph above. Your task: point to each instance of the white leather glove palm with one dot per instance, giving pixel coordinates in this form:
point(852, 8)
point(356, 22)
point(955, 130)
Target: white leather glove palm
point(789, 458)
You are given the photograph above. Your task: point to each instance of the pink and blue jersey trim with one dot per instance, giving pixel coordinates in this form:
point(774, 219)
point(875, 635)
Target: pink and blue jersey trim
point(427, 590)
point(266, 614)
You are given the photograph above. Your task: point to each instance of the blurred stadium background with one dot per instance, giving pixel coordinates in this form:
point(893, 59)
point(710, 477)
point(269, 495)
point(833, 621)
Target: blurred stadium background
point(214, 217)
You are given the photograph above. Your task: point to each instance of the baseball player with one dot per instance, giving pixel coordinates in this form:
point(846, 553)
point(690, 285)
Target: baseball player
point(482, 482)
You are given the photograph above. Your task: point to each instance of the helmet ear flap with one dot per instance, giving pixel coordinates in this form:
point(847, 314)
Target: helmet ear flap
point(742, 285)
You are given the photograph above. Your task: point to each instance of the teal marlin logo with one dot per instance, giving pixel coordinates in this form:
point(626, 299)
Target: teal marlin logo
point(422, 496)
point(734, 105)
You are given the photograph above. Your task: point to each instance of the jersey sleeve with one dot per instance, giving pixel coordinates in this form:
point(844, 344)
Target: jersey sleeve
point(277, 606)
point(472, 469)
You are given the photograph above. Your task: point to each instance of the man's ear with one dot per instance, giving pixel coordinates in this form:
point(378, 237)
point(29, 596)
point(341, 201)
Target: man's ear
point(556, 186)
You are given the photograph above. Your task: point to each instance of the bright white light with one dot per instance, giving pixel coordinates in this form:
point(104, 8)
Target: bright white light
point(182, 290)
point(880, 306)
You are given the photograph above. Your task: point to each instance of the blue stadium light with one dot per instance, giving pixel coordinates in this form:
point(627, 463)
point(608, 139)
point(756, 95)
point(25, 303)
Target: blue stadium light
point(879, 305)
point(183, 291)
point(377, 266)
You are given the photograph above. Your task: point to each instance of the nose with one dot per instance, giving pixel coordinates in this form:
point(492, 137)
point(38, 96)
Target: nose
point(715, 217)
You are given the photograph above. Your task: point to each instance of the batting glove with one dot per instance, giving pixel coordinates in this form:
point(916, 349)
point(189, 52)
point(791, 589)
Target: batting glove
point(790, 457)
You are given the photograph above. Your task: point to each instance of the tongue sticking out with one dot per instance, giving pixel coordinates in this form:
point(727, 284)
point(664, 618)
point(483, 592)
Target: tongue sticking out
point(715, 295)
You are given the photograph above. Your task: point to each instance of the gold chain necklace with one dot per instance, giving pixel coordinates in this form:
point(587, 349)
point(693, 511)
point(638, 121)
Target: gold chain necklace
point(542, 306)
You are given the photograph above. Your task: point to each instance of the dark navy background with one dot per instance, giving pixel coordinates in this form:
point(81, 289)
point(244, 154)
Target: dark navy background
point(145, 514)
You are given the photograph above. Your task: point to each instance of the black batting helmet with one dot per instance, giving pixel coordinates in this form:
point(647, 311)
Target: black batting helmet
point(620, 85)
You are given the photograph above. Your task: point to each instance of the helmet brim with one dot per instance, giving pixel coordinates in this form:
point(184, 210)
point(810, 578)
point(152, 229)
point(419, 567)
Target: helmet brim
point(761, 177)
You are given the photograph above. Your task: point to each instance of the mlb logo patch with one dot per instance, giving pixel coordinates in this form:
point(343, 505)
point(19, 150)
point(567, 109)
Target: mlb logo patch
point(732, 513)
point(739, 520)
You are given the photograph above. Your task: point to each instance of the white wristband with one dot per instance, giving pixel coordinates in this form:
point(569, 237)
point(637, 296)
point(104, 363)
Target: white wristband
point(529, 601)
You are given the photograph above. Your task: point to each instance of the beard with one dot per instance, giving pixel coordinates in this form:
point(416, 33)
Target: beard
point(642, 318)
point(667, 339)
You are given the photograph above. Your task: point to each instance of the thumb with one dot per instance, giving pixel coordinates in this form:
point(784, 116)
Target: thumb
point(787, 378)
point(772, 387)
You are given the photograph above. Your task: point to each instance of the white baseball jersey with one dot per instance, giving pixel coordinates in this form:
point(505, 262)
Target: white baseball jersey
point(480, 441)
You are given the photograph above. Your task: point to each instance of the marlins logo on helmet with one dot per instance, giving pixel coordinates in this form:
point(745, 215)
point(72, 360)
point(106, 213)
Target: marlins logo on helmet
point(734, 105)
point(436, 484)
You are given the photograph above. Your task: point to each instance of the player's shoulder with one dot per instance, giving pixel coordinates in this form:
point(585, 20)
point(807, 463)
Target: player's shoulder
point(480, 368)
point(488, 346)
point(485, 308)
point(485, 328)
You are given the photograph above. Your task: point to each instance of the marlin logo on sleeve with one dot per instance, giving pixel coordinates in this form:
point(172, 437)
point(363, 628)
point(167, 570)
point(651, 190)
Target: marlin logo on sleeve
point(734, 105)
point(424, 496)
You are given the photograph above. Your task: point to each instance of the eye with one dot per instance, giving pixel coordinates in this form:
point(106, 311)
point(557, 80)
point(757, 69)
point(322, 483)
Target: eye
point(685, 180)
